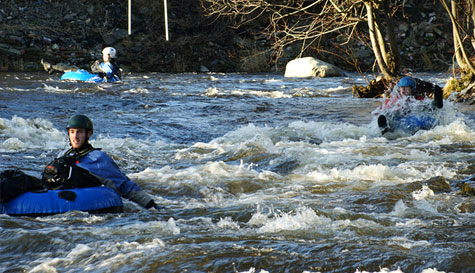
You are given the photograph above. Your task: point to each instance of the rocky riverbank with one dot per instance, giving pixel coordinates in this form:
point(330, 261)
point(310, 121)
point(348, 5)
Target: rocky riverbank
point(74, 32)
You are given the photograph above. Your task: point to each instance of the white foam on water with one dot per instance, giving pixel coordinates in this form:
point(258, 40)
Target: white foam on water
point(212, 92)
point(49, 266)
point(163, 227)
point(408, 244)
point(206, 174)
point(132, 152)
point(386, 270)
point(79, 250)
point(212, 181)
point(399, 209)
point(253, 270)
point(137, 90)
point(273, 80)
point(329, 131)
point(112, 256)
point(302, 219)
point(253, 139)
point(227, 223)
point(422, 193)
point(411, 223)
point(52, 89)
point(21, 134)
point(383, 270)
point(426, 208)
point(346, 154)
point(421, 207)
point(432, 270)
point(215, 92)
point(370, 172)
point(122, 255)
point(263, 93)
point(337, 89)
point(57, 89)
point(455, 132)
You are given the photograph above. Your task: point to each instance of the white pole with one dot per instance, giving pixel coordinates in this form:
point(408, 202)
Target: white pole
point(130, 17)
point(166, 18)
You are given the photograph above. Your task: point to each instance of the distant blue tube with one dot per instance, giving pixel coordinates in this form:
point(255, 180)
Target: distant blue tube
point(81, 75)
point(94, 200)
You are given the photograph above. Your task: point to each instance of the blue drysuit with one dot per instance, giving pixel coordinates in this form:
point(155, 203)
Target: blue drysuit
point(110, 71)
point(105, 169)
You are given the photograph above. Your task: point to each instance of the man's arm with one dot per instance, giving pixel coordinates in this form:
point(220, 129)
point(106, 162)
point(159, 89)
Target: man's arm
point(104, 168)
point(424, 88)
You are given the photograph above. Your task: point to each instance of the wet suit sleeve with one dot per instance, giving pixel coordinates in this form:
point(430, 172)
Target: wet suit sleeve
point(110, 70)
point(96, 69)
point(438, 100)
point(104, 168)
point(115, 70)
point(424, 88)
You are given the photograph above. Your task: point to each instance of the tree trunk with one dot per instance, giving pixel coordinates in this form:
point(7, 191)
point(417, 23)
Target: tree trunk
point(460, 52)
point(380, 40)
point(455, 32)
point(472, 11)
point(375, 43)
point(393, 45)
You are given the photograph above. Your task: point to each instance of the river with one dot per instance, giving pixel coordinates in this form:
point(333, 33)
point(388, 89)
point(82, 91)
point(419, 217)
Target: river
point(257, 173)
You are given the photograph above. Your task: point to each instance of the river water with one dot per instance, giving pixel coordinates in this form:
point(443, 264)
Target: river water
point(257, 173)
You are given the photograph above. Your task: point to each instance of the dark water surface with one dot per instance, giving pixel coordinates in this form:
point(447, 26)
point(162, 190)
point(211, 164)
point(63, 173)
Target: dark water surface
point(258, 173)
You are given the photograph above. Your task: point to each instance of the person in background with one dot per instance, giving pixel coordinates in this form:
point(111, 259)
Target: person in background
point(98, 163)
point(418, 89)
point(108, 69)
point(407, 91)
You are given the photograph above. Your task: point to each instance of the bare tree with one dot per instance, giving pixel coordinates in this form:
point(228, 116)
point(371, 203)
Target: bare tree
point(307, 22)
point(462, 17)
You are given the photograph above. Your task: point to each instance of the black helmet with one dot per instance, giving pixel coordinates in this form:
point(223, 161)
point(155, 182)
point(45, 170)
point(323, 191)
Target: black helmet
point(80, 121)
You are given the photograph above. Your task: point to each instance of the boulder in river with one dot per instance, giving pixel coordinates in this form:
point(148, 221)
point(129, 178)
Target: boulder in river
point(311, 67)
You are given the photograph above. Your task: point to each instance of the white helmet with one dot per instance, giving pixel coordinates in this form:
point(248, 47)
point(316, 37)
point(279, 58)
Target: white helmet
point(109, 50)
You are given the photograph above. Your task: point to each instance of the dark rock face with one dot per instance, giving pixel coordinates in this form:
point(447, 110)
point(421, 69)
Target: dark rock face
point(74, 32)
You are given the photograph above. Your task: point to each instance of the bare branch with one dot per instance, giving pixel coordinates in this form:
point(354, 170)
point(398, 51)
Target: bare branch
point(306, 22)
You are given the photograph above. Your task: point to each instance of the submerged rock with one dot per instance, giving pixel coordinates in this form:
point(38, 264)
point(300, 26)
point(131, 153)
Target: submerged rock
point(438, 184)
point(466, 207)
point(467, 190)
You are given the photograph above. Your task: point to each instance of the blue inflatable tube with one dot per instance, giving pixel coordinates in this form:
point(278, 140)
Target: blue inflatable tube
point(408, 124)
point(81, 75)
point(93, 200)
point(412, 124)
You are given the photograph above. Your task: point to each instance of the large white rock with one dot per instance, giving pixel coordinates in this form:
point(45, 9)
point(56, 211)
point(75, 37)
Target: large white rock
point(311, 67)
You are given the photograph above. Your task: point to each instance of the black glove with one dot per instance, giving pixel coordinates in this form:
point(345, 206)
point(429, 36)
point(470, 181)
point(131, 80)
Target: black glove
point(57, 172)
point(152, 204)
